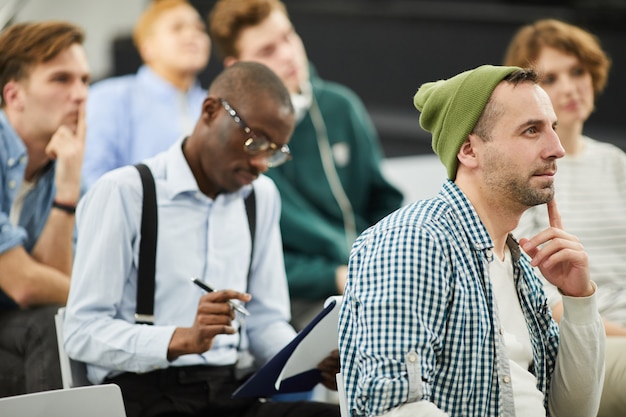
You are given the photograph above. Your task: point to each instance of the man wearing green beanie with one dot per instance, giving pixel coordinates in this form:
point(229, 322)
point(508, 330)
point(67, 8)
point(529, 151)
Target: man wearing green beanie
point(443, 314)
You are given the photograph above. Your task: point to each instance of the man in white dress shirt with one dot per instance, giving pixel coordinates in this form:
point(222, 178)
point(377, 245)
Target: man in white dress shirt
point(184, 364)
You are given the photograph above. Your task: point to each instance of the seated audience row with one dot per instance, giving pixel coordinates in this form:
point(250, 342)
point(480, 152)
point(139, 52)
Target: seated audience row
point(425, 293)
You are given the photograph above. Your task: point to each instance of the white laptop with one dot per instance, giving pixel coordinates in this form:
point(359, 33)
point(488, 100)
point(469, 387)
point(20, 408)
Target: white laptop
point(91, 401)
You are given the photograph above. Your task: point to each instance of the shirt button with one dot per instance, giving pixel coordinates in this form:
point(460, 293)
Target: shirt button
point(489, 253)
point(506, 379)
point(22, 160)
point(412, 357)
point(501, 331)
point(10, 162)
point(12, 184)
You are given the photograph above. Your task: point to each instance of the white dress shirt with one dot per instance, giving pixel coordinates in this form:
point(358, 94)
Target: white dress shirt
point(197, 237)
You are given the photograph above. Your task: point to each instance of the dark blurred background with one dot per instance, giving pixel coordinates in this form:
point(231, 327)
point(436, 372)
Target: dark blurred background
point(385, 49)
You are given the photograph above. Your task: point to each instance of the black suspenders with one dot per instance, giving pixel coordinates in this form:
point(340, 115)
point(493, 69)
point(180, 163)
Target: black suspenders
point(144, 313)
point(147, 249)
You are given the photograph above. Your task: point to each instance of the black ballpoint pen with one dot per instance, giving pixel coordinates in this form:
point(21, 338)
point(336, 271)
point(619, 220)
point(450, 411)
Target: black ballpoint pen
point(208, 288)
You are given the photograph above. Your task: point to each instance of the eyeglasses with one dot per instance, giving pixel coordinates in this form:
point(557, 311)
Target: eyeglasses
point(256, 144)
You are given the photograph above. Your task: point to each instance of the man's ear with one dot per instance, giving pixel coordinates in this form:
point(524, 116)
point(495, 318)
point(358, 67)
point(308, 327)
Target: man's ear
point(229, 60)
point(467, 153)
point(210, 108)
point(13, 97)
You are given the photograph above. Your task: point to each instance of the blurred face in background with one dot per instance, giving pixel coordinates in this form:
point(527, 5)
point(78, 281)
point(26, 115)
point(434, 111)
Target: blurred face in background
point(569, 85)
point(177, 42)
point(275, 43)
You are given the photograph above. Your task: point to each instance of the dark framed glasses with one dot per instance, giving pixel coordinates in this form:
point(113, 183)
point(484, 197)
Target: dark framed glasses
point(256, 144)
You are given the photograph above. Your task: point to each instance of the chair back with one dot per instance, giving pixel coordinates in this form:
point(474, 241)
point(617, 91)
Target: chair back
point(73, 373)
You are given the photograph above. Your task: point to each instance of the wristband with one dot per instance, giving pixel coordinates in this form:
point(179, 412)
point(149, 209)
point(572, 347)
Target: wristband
point(69, 209)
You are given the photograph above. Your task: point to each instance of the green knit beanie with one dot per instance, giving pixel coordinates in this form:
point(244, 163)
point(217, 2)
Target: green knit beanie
point(451, 108)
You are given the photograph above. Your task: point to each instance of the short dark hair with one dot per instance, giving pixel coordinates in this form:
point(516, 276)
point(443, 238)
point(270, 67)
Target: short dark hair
point(250, 79)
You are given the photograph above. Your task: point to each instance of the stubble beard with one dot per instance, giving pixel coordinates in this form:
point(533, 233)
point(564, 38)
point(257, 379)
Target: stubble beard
point(529, 196)
point(519, 189)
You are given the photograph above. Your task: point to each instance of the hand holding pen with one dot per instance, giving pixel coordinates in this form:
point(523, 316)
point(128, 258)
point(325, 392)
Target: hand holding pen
point(206, 287)
point(214, 317)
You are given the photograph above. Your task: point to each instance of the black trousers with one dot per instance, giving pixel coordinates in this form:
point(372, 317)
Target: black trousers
point(29, 355)
point(203, 391)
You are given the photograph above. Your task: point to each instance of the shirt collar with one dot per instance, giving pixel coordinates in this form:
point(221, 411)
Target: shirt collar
point(302, 101)
point(469, 221)
point(13, 143)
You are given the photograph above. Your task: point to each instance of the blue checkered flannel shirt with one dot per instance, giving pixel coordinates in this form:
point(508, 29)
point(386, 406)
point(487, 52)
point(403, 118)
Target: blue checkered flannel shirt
point(418, 319)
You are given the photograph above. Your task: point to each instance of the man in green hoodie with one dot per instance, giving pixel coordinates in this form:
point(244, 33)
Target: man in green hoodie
point(336, 189)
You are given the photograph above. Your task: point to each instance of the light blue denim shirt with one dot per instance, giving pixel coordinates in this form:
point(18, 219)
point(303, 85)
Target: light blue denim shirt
point(197, 237)
point(134, 117)
point(37, 203)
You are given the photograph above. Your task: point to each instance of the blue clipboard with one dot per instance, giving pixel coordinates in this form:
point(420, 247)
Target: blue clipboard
point(263, 382)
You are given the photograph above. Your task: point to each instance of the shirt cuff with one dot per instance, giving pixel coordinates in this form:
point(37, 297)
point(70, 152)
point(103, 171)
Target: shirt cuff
point(581, 310)
point(154, 343)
